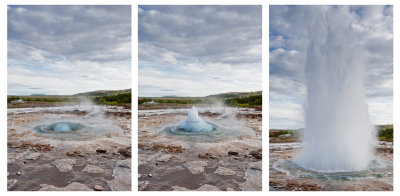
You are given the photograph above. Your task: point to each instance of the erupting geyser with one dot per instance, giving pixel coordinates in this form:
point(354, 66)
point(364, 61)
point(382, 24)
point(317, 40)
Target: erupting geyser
point(194, 123)
point(338, 135)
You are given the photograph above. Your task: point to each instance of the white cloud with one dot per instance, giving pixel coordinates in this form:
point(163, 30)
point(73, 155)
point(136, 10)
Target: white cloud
point(68, 49)
point(289, 40)
point(200, 50)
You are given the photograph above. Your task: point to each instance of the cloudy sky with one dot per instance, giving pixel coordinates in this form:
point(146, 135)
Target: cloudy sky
point(288, 45)
point(68, 49)
point(199, 50)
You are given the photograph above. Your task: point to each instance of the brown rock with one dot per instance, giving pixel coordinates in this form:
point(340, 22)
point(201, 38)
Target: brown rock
point(75, 153)
point(125, 151)
point(233, 153)
point(256, 154)
point(101, 151)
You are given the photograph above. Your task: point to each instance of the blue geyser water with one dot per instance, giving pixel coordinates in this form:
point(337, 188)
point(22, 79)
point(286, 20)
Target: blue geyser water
point(194, 123)
point(196, 129)
point(62, 127)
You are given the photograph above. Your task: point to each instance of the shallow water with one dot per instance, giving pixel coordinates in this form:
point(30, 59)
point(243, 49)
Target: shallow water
point(69, 127)
point(377, 169)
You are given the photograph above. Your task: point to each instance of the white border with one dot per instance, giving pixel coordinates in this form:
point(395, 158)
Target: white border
point(265, 81)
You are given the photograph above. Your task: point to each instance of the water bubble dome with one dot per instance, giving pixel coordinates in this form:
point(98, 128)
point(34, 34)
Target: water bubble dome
point(194, 123)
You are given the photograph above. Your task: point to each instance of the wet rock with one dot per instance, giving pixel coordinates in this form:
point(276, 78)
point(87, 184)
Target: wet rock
point(164, 158)
point(122, 178)
point(36, 147)
point(125, 151)
point(214, 157)
point(75, 154)
point(98, 188)
point(301, 186)
point(253, 176)
point(43, 147)
point(64, 165)
point(255, 165)
point(75, 186)
point(11, 183)
point(195, 167)
point(385, 150)
point(256, 154)
point(224, 171)
point(207, 155)
point(93, 169)
point(142, 185)
point(234, 153)
point(241, 158)
point(124, 163)
point(179, 188)
point(101, 151)
point(208, 187)
point(157, 147)
point(33, 156)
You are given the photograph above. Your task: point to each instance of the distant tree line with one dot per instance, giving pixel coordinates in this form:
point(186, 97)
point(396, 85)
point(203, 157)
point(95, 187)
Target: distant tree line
point(122, 98)
point(254, 100)
point(181, 100)
point(12, 98)
point(40, 99)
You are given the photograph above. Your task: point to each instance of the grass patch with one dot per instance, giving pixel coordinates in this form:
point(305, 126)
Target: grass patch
point(122, 98)
point(385, 132)
point(247, 101)
point(277, 133)
point(110, 99)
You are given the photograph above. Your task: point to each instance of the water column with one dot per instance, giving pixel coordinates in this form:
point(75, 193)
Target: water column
point(194, 123)
point(338, 135)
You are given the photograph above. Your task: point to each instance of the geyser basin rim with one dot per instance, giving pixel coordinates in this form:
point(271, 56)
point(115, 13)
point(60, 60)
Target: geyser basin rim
point(180, 131)
point(376, 169)
point(210, 136)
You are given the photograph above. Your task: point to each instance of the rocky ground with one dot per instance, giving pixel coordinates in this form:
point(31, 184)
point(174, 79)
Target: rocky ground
point(169, 163)
point(41, 163)
point(279, 181)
